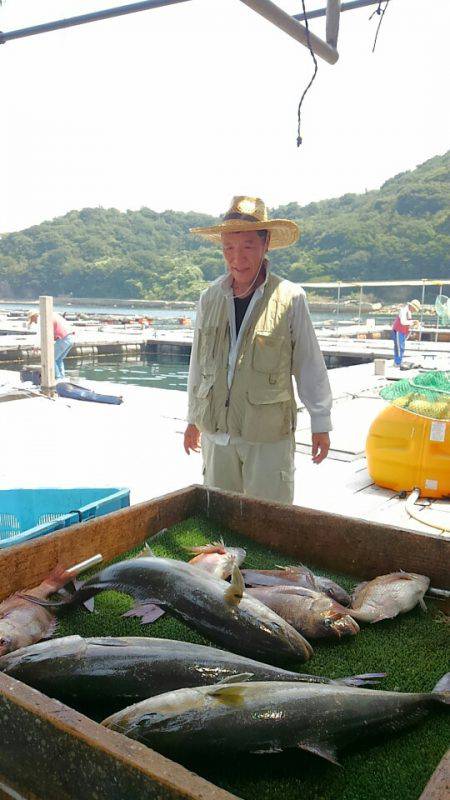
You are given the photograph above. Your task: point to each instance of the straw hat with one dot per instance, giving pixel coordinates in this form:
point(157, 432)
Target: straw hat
point(250, 214)
point(415, 304)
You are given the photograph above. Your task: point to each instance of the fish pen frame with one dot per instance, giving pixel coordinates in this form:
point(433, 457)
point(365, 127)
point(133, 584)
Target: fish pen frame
point(66, 756)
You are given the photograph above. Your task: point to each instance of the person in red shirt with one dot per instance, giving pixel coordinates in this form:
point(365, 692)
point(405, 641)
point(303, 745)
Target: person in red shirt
point(402, 328)
point(63, 336)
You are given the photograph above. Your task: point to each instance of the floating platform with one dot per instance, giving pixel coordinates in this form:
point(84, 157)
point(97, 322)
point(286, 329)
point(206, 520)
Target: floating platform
point(139, 444)
point(345, 348)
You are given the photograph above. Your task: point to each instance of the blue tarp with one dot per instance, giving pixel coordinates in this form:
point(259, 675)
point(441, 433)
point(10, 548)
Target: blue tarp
point(82, 393)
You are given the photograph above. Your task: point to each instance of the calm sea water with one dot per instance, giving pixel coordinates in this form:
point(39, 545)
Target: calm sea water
point(141, 371)
point(166, 373)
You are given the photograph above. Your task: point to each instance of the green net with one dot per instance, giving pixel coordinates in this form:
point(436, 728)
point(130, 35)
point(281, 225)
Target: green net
point(427, 394)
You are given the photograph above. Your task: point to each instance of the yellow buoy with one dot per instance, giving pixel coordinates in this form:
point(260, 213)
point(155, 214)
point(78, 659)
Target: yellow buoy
point(406, 450)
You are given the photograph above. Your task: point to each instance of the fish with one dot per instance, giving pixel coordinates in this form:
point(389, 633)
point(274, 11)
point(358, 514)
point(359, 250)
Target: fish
point(221, 611)
point(124, 670)
point(238, 716)
point(298, 575)
point(388, 595)
point(23, 622)
point(215, 558)
point(313, 614)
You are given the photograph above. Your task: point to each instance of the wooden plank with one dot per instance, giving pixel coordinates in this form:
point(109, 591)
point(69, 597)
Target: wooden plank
point(58, 754)
point(438, 787)
point(10, 792)
point(397, 515)
point(47, 346)
point(24, 566)
point(351, 421)
point(353, 546)
point(359, 480)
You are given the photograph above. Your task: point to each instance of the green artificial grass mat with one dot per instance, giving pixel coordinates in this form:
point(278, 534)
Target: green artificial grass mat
point(412, 649)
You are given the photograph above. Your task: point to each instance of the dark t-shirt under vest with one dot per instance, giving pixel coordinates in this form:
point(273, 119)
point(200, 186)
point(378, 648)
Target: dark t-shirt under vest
point(240, 307)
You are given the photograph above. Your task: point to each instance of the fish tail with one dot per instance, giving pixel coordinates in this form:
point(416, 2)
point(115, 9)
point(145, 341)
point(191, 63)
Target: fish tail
point(75, 599)
point(233, 595)
point(442, 690)
point(46, 603)
point(365, 679)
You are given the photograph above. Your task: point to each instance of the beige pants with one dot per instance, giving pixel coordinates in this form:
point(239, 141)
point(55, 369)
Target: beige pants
point(264, 470)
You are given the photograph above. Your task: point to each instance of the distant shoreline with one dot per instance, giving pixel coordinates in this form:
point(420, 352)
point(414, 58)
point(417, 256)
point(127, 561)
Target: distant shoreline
point(314, 305)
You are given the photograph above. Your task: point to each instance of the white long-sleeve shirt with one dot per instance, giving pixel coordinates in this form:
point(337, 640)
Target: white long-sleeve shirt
point(308, 366)
point(406, 316)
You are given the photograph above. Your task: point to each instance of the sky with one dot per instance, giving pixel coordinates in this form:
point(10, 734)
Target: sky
point(185, 106)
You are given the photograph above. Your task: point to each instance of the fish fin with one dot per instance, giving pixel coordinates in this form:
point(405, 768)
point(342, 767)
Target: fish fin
point(233, 595)
point(220, 542)
point(302, 570)
point(229, 695)
point(148, 612)
point(52, 628)
point(395, 576)
point(300, 591)
point(88, 604)
point(358, 588)
point(266, 751)
point(146, 552)
point(365, 679)
point(322, 749)
point(423, 604)
point(109, 641)
point(239, 678)
point(204, 549)
point(442, 690)
point(389, 610)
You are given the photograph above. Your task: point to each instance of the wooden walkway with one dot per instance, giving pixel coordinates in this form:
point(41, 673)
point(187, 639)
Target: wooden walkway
point(138, 445)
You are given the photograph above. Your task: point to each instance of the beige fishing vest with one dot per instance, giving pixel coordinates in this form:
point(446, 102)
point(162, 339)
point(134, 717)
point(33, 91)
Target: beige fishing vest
point(260, 405)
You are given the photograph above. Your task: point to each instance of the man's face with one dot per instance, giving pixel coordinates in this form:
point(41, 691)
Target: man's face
point(243, 253)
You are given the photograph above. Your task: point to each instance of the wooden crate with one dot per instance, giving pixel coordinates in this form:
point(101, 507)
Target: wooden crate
point(48, 751)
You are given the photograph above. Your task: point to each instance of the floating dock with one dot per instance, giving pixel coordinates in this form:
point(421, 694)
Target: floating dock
point(139, 445)
point(344, 348)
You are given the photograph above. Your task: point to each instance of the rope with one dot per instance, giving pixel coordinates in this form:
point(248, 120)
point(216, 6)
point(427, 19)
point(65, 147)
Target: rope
point(299, 138)
point(381, 12)
point(415, 494)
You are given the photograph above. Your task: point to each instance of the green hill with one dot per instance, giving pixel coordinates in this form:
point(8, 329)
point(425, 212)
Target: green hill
point(399, 231)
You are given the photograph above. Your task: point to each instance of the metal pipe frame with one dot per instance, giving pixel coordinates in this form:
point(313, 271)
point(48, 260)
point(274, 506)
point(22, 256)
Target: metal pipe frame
point(292, 27)
point(321, 12)
point(95, 16)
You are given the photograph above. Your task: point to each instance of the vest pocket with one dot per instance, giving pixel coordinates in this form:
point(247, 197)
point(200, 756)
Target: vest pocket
point(207, 345)
point(267, 350)
point(268, 415)
point(202, 407)
point(204, 387)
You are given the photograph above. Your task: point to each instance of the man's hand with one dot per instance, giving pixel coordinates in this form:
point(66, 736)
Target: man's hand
point(320, 446)
point(192, 439)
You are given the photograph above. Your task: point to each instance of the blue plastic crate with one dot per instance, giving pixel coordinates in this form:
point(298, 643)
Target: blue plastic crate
point(29, 513)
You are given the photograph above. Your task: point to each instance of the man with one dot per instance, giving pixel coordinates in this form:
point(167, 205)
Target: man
point(253, 333)
point(402, 328)
point(63, 337)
